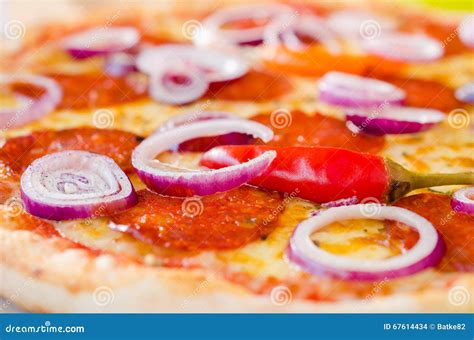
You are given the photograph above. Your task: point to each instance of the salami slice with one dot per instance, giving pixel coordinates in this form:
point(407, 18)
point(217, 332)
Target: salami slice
point(221, 221)
point(19, 152)
point(299, 129)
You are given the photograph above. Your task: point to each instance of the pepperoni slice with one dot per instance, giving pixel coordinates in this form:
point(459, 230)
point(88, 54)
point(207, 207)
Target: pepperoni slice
point(19, 152)
point(426, 93)
point(86, 91)
point(254, 86)
point(457, 229)
point(299, 129)
point(221, 221)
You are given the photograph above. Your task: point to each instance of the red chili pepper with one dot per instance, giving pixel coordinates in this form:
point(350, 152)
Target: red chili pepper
point(322, 174)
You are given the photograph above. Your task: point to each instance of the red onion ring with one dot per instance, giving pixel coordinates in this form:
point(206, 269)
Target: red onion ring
point(466, 31)
point(465, 93)
point(394, 120)
point(205, 143)
point(177, 84)
point(32, 109)
point(354, 91)
point(289, 33)
point(463, 200)
point(217, 65)
point(75, 184)
point(101, 40)
point(426, 253)
point(359, 24)
point(169, 180)
point(212, 30)
point(405, 47)
point(119, 64)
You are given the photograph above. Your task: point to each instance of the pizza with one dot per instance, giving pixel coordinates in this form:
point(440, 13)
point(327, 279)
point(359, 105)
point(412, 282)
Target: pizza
point(223, 157)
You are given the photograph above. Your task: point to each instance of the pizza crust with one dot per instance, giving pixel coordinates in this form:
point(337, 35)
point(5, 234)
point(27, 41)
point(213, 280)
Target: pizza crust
point(41, 275)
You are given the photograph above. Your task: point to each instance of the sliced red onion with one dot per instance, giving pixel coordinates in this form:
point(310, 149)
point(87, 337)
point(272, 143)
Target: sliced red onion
point(463, 200)
point(205, 143)
point(405, 47)
point(466, 93)
point(354, 91)
point(216, 64)
point(177, 83)
point(166, 179)
point(213, 29)
point(31, 108)
point(426, 253)
point(75, 184)
point(359, 24)
point(394, 120)
point(466, 31)
point(119, 64)
point(292, 34)
point(101, 40)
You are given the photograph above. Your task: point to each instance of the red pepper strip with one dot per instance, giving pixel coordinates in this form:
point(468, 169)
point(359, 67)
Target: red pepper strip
point(322, 174)
point(319, 174)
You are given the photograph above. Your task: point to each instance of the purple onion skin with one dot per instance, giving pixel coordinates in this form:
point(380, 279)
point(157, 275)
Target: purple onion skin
point(382, 126)
point(317, 269)
point(252, 43)
point(182, 187)
point(330, 98)
point(207, 143)
point(84, 54)
point(66, 213)
point(462, 207)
